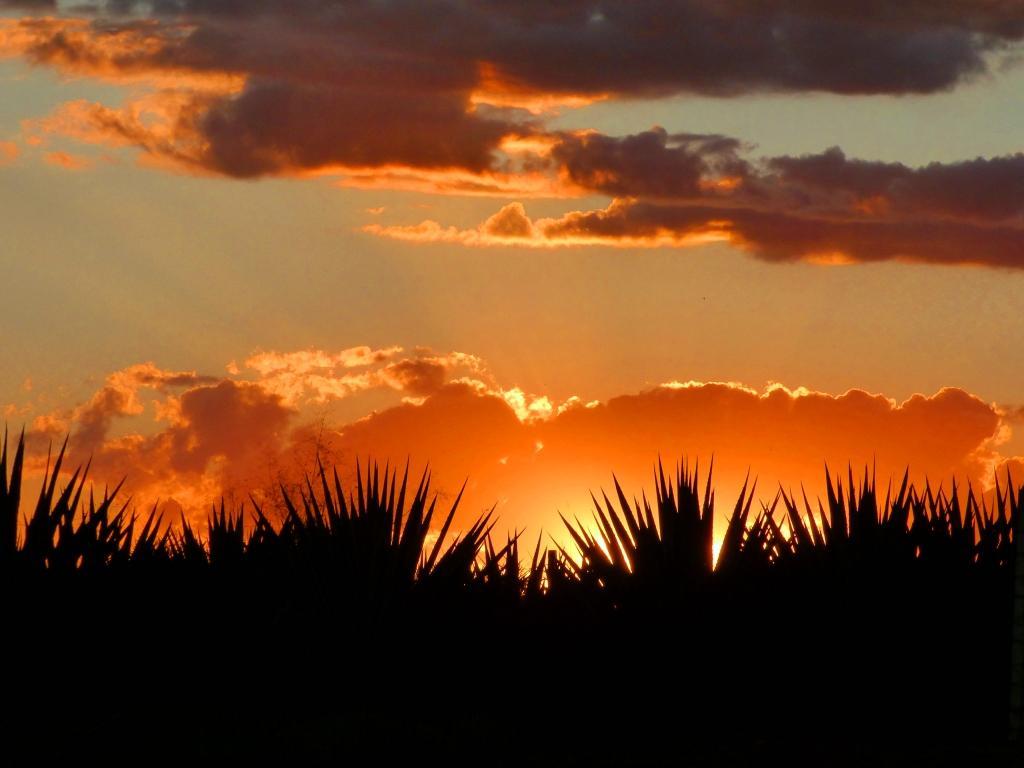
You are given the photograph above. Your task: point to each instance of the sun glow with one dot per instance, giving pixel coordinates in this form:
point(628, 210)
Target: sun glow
point(497, 89)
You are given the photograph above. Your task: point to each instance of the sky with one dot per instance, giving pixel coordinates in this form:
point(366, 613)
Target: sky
point(530, 244)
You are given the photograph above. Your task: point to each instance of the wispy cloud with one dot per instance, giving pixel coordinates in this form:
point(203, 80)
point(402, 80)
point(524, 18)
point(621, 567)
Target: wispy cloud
point(68, 161)
point(9, 152)
point(767, 234)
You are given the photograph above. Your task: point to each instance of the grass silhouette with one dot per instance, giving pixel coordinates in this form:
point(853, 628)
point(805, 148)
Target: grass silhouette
point(865, 628)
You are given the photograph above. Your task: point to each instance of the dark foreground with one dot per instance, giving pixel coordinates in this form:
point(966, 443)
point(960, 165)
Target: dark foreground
point(868, 631)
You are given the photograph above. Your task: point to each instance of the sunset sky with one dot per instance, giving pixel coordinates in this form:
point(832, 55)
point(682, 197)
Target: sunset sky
point(530, 243)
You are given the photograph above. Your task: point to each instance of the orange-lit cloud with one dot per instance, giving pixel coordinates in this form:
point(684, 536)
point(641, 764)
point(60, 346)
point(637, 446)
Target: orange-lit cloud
point(511, 226)
point(826, 209)
point(535, 467)
point(466, 112)
point(274, 130)
point(160, 124)
point(306, 361)
point(319, 376)
point(534, 55)
point(118, 397)
point(449, 181)
point(497, 89)
point(209, 435)
point(233, 435)
point(125, 52)
point(209, 432)
point(682, 189)
point(767, 234)
point(223, 111)
point(8, 152)
point(68, 161)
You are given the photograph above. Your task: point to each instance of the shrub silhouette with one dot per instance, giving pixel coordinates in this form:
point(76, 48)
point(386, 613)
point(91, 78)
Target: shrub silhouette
point(345, 629)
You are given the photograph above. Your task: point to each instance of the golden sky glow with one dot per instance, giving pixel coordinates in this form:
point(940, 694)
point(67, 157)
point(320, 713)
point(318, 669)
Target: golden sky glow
point(498, 90)
point(183, 438)
point(498, 243)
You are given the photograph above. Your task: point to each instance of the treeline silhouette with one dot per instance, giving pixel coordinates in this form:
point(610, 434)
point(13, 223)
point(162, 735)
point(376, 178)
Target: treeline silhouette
point(871, 628)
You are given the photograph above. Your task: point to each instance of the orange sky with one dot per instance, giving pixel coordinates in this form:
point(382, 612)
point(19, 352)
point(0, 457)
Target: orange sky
point(519, 241)
point(191, 438)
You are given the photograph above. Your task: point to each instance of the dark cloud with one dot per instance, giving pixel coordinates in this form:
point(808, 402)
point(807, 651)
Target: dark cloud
point(29, 5)
point(671, 190)
point(778, 236)
point(227, 419)
point(787, 208)
point(998, 17)
point(119, 397)
point(821, 207)
point(648, 46)
point(223, 436)
point(366, 83)
point(772, 235)
point(636, 48)
point(273, 88)
point(982, 189)
point(276, 128)
point(417, 376)
point(648, 164)
point(654, 164)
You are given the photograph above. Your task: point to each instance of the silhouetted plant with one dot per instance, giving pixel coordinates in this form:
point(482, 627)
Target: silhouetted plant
point(363, 586)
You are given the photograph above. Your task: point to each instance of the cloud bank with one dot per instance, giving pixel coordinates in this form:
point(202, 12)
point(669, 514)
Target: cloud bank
point(688, 190)
point(190, 438)
point(455, 97)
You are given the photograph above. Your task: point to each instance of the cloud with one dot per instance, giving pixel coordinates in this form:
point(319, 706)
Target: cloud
point(68, 161)
point(304, 361)
point(691, 189)
point(225, 437)
point(533, 456)
point(119, 396)
point(776, 236)
point(322, 376)
point(353, 94)
point(770, 233)
point(419, 378)
point(512, 226)
point(222, 104)
point(981, 190)
point(1013, 413)
point(272, 127)
point(199, 418)
point(687, 189)
point(8, 152)
point(509, 226)
point(532, 51)
point(30, 5)
point(132, 51)
point(655, 165)
point(210, 435)
point(536, 467)
point(224, 419)
point(649, 164)
point(276, 88)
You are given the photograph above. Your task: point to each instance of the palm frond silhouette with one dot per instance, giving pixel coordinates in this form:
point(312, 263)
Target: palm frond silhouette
point(864, 617)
